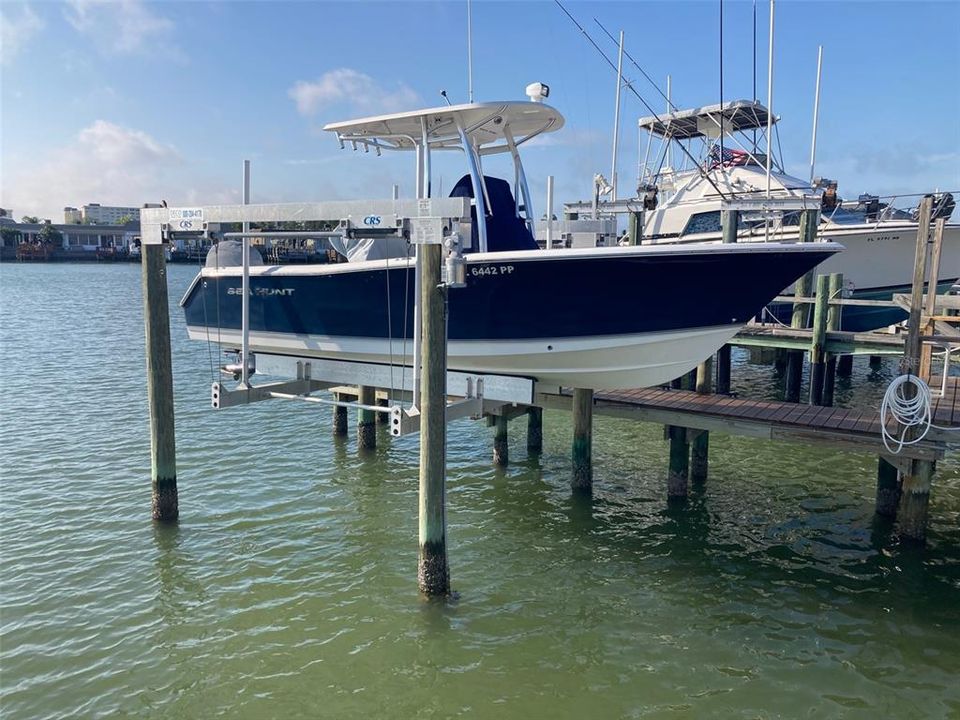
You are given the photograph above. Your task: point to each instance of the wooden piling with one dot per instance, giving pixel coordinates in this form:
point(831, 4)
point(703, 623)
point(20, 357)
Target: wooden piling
point(926, 350)
point(915, 500)
point(845, 366)
point(700, 445)
point(163, 452)
point(915, 484)
point(383, 417)
point(339, 417)
point(780, 361)
point(794, 374)
point(723, 370)
point(679, 470)
point(433, 570)
point(835, 291)
point(729, 223)
point(800, 318)
point(817, 353)
point(704, 377)
point(501, 455)
point(829, 380)
point(535, 431)
point(366, 419)
point(888, 488)
point(936, 250)
point(635, 227)
point(582, 440)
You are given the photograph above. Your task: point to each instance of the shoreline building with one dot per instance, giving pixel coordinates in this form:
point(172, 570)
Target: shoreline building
point(97, 214)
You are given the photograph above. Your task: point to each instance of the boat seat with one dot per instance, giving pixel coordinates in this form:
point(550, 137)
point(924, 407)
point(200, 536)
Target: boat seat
point(505, 231)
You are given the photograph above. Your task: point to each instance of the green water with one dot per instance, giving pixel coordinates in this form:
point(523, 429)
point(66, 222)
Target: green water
point(288, 589)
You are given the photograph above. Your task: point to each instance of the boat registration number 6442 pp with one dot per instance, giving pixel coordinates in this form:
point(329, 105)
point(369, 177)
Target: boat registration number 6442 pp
point(483, 270)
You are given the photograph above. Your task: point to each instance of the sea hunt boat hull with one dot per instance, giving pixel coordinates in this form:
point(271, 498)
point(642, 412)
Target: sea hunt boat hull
point(601, 319)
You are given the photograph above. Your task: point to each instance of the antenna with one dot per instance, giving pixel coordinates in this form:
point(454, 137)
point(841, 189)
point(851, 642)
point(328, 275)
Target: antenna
point(469, 51)
point(443, 94)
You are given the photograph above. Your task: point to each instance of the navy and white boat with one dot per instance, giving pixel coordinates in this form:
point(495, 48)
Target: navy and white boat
point(594, 318)
point(684, 205)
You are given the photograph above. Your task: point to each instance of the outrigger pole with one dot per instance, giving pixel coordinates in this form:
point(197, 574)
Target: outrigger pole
point(650, 110)
point(616, 120)
point(766, 224)
point(816, 114)
point(770, 100)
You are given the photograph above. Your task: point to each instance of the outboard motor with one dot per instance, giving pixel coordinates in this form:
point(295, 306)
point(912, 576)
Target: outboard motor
point(870, 204)
point(943, 206)
point(229, 253)
point(650, 199)
point(829, 200)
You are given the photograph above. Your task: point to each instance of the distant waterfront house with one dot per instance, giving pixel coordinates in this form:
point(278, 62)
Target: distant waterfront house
point(77, 240)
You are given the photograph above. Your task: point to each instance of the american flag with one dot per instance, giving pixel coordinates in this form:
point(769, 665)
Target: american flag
point(731, 157)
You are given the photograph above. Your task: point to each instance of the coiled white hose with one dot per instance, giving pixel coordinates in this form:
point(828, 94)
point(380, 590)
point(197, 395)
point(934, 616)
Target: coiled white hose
point(909, 412)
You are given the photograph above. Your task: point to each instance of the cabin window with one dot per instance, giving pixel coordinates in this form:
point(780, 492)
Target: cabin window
point(706, 222)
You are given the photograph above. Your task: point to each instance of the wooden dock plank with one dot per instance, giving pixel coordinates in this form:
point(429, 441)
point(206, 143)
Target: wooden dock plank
point(838, 416)
point(848, 428)
point(795, 413)
point(851, 420)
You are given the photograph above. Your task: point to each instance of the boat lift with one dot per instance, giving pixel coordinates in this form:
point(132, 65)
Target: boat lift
point(440, 221)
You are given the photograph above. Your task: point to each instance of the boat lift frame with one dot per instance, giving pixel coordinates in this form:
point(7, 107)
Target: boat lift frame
point(421, 221)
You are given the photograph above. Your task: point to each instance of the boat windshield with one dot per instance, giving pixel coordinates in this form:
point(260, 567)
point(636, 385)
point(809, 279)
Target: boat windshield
point(860, 213)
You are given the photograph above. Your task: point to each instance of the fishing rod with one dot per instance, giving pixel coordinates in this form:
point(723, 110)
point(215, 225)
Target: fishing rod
point(656, 117)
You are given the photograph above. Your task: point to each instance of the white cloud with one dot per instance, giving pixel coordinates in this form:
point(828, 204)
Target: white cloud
point(351, 89)
point(16, 32)
point(124, 27)
point(104, 163)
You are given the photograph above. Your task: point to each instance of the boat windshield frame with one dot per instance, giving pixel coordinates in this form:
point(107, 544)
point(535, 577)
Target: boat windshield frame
point(723, 128)
point(733, 116)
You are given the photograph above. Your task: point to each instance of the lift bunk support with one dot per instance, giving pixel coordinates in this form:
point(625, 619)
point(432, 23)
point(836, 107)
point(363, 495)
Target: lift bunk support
point(422, 222)
point(435, 227)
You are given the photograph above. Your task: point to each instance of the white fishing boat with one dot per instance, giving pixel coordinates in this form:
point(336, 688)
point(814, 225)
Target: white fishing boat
point(620, 317)
point(683, 205)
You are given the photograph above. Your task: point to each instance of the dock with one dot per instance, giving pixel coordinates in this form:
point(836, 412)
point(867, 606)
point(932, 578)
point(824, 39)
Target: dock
point(856, 430)
point(695, 405)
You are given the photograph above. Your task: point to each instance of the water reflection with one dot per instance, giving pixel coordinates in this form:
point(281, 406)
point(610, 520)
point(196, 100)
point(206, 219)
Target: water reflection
point(178, 590)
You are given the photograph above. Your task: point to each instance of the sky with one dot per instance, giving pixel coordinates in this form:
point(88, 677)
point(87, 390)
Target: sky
point(126, 102)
